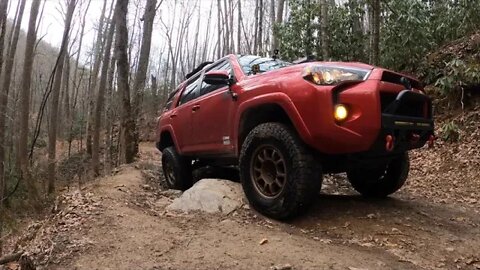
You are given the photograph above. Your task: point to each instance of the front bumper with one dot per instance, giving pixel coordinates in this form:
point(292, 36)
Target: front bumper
point(406, 123)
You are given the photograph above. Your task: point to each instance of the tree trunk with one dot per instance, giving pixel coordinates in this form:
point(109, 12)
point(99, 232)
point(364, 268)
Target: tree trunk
point(323, 29)
point(111, 118)
point(260, 29)
point(66, 96)
point(255, 33)
point(26, 80)
point(141, 73)
point(278, 22)
point(101, 100)
point(52, 131)
point(127, 123)
point(3, 29)
point(272, 23)
point(7, 77)
point(308, 37)
point(94, 75)
point(76, 85)
point(376, 32)
point(226, 30)
point(239, 28)
point(219, 29)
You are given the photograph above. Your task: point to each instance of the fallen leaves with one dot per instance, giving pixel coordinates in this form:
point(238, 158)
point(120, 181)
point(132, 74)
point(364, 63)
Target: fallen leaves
point(51, 240)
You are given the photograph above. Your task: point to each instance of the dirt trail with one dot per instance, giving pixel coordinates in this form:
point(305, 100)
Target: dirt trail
point(131, 230)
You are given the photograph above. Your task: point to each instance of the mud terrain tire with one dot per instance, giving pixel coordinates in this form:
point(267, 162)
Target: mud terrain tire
point(176, 169)
point(383, 181)
point(273, 153)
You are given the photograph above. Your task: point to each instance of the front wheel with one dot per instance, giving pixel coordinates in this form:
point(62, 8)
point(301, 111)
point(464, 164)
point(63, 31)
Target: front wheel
point(176, 169)
point(383, 180)
point(279, 176)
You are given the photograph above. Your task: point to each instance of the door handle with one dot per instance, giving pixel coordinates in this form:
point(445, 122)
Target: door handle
point(172, 116)
point(195, 108)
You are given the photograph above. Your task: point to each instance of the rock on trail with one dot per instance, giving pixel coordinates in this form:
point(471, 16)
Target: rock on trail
point(211, 196)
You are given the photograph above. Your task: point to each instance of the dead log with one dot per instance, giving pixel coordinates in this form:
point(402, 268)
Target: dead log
point(24, 261)
point(10, 258)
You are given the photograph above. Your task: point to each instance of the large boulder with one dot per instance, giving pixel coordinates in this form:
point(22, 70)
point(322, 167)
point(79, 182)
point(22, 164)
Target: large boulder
point(211, 196)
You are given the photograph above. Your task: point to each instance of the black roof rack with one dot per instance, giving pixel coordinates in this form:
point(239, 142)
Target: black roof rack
point(309, 58)
point(198, 68)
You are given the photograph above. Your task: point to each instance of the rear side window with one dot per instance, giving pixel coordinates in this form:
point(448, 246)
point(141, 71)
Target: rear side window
point(191, 90)
point(171, 96)
point(207, 88)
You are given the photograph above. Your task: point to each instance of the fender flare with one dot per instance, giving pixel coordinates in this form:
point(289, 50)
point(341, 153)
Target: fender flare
point(169, 129)
point(278, 98)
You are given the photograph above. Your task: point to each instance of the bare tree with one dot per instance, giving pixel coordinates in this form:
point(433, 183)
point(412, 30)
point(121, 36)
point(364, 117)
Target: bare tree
point(76, 85)
point(375, 31)
point(22, 152)
point(110, 116)
point(255, 35)
point(127, 144)
point(260, 28)
point(239, 27)
point(272, 23)
point(93, 76)
point(101, 99)
point(7, 78)
point(323, 28)
point(52, 131)
point(219, 29)
point(278, 21)
point(3, 29)
point(141, 73)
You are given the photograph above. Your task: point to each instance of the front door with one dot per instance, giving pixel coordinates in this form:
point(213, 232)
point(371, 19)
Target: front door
point(212, 117)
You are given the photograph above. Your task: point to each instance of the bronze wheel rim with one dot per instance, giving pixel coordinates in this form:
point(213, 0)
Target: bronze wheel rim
point(268, 171)
point(169, 175)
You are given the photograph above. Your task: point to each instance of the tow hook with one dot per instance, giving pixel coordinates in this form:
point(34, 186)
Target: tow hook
point(389, 139)
point(431, 141)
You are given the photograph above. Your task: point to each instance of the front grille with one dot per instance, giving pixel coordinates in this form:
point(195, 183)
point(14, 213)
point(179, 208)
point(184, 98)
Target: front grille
point(387, 98)
point(411, 107)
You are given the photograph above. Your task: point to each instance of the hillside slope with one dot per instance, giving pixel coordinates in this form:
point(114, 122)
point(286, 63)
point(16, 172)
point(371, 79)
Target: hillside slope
point(120, 222)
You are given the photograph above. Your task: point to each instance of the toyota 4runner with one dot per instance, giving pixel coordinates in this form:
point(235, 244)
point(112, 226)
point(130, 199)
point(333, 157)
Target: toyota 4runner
point(284, 125)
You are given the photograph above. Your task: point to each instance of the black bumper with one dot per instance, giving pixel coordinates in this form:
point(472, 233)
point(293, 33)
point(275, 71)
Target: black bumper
point(409, 120)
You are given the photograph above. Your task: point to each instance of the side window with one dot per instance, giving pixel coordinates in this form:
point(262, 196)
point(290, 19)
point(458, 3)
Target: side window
point(191, 90)
point(207, 88)
point(171, 96)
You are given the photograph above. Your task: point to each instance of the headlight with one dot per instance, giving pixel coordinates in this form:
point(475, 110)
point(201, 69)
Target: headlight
point(340, 112)
point(329, 75)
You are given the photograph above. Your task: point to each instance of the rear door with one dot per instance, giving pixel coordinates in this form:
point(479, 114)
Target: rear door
point(213, 116)
point(182, 114)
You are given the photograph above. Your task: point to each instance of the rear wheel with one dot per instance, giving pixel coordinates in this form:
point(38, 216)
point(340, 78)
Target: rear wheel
point(383, 180)
point(176, 169)
point(279, 175)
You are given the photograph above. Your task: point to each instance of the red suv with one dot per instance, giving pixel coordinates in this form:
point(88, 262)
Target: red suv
point(285, 124)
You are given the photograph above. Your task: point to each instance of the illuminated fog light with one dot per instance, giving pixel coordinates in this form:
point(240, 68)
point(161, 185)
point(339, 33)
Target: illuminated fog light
point(340, 113)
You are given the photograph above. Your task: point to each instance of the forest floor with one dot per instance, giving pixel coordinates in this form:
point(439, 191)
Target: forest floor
point(120, 222)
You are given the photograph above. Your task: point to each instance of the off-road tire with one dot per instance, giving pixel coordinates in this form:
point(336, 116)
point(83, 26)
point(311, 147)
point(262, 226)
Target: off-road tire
point(303, 176)
point(177, 167)
point(383, 181)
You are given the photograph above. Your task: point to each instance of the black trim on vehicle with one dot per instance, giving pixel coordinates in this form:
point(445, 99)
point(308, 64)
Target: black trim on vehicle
point(342, 87)
point(408, 118)
point(407, 103)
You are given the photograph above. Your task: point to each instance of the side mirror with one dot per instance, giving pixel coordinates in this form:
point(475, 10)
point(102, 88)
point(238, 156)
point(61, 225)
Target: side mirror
point(218, 77)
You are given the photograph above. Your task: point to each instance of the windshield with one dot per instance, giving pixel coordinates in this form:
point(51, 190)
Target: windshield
point(264, 63)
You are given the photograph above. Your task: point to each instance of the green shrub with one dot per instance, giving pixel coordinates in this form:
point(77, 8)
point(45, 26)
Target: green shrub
point(450, 132)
